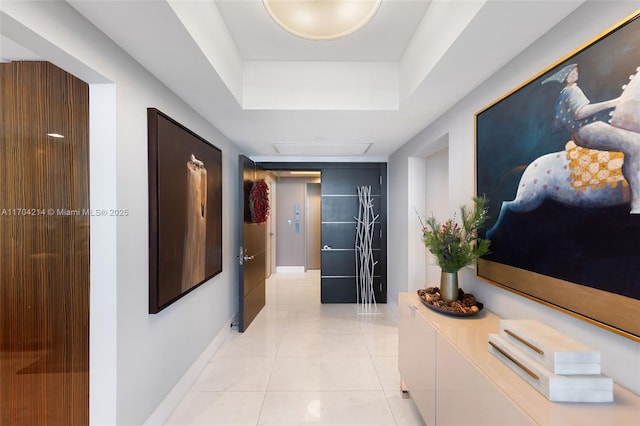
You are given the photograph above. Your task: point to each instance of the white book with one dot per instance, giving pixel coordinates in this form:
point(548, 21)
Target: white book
point(557, 388)
point(558, 352)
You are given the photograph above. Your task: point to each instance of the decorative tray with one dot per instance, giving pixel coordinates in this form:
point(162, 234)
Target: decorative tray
point(465, 306)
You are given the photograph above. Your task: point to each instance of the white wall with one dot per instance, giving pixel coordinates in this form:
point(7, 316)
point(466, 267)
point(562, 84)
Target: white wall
point(290, 244)
point(416, 212)
point(621, 356)
point(136, 358)
point(291, 249)
point(437, 203)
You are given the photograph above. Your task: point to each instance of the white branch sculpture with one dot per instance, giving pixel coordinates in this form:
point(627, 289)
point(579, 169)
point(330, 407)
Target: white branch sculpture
point(365, 264)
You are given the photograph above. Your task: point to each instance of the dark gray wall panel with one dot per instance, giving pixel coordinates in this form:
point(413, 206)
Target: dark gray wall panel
point(342, 236)
point(337, 290)
point(343, 263)
point(345, 181)
point(343, 209)
point(343, 290)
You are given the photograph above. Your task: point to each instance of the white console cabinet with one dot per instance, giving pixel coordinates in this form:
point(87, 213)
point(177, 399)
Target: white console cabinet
point(454, 380)
point(416, 354)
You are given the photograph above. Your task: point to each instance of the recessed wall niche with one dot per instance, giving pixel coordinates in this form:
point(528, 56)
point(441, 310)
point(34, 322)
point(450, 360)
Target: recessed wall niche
point(428, 193)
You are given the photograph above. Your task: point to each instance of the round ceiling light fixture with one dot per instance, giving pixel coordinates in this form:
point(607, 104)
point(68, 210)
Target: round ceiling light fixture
point(321, 19)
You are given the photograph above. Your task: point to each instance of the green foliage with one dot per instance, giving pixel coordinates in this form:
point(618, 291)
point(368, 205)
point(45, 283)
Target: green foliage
point(456, 246)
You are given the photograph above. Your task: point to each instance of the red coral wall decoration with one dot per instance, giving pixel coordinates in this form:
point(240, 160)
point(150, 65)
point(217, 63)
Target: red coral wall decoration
point(259, 201)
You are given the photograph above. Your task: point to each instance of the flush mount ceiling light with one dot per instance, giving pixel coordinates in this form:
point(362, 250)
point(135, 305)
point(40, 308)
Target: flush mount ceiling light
point(321, 19)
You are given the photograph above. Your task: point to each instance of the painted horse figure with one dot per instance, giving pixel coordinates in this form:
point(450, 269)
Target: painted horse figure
point(600, 167)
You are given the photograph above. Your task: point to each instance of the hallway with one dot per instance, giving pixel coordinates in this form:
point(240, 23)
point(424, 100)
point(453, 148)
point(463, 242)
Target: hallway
point(301, 362)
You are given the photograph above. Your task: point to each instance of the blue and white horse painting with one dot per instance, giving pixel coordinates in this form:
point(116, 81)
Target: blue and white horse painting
point(584, 177)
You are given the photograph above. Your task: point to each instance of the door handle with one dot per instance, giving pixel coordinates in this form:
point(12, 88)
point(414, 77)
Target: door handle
point(248, 257)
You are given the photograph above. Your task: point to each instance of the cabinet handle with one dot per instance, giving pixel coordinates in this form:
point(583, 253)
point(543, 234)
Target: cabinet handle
point(412, 307)
point(524, 342)
point(515, 361)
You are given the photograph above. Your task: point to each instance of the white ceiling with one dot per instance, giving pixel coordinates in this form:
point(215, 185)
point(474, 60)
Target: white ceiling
point(363, 95)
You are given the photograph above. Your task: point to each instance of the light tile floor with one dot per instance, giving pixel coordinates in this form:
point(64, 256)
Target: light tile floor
point(303, 363)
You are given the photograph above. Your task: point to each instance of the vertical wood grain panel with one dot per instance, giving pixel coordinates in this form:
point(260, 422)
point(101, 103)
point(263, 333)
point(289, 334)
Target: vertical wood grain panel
point(44, 246)
point(313, 228)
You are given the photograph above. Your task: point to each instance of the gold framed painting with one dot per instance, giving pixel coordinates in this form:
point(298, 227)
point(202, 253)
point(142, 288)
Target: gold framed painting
point(559, 160)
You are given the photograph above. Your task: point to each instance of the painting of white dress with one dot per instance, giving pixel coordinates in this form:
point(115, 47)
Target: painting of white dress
point(196, 224)
point(185, 211)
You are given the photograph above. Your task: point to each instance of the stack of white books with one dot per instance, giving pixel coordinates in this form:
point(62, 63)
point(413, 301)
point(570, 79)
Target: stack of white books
point(559, 367)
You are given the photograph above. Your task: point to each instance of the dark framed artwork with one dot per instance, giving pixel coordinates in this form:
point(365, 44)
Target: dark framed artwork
point(559, 160)
point(185, 210)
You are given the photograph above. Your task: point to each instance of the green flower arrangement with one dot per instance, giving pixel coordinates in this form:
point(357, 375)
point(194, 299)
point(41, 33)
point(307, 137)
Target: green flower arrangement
point(456, 246)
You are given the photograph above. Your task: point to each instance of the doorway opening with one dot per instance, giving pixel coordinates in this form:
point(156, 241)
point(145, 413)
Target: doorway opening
point(292, 248)
point(294, 242)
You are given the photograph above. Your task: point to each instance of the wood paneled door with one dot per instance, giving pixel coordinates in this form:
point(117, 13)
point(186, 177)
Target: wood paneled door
point(44, 246)
point(252, 252)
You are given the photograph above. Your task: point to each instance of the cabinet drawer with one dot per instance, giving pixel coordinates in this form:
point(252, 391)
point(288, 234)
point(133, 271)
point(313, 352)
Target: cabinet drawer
point(465, 396)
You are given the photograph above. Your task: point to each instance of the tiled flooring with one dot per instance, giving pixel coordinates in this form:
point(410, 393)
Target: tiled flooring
point(303, 363)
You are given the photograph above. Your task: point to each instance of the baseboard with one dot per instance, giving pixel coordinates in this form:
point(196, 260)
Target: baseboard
point(175, 395)
point(289, 269)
